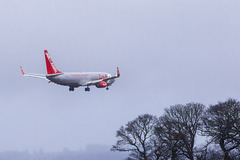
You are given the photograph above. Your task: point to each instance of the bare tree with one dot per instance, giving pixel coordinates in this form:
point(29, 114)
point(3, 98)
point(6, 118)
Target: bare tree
point(208, 151)
point(167, 137)
point(180, 125)
point(222, 124)
point(137, 138)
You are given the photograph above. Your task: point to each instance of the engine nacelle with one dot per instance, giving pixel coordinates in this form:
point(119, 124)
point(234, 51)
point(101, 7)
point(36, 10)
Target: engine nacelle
point(102, 84)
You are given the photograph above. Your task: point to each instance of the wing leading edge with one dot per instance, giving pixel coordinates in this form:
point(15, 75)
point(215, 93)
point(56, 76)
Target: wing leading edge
point(104, 79)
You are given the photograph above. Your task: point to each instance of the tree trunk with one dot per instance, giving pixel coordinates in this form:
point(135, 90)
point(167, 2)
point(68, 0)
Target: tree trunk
point(191, 155)
point(225, 151)
point(174, 155)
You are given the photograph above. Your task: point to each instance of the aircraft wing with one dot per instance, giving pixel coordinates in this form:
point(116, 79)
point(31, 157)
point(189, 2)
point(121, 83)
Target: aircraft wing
point(92, 82)
point(34, 75)
point(100, 80)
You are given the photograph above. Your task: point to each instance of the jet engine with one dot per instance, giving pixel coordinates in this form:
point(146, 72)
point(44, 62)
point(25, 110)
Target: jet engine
point(102, 84)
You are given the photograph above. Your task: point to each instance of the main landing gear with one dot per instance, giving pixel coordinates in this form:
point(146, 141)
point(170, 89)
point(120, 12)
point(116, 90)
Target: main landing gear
point(107, 88)
point(87, 89)
point(71, 88)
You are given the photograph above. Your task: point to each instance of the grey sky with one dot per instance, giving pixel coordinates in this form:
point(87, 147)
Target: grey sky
point(168, 52)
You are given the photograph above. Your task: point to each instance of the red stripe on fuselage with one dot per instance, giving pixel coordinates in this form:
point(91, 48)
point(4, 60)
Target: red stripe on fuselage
point(80, 75)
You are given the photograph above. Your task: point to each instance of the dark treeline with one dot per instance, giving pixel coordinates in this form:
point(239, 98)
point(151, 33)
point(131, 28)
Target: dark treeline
point(173, 135)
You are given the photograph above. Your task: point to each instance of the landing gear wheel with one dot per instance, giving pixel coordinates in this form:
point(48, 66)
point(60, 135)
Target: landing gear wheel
point(87, 89)
point(107, 88)
point(71, 88)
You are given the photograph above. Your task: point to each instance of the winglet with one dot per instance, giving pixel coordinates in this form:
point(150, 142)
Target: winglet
point(22, 71)
point(118, 73)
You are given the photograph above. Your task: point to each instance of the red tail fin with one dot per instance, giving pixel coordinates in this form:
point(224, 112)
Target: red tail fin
point(51, 69)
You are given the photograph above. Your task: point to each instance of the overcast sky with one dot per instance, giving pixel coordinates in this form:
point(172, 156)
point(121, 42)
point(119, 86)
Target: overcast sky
point(168, 51)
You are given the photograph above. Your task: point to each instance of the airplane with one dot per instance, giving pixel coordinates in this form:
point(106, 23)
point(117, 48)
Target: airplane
point(74, 79)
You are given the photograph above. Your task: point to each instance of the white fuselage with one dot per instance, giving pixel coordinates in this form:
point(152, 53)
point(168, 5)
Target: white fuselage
point(76, 79)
